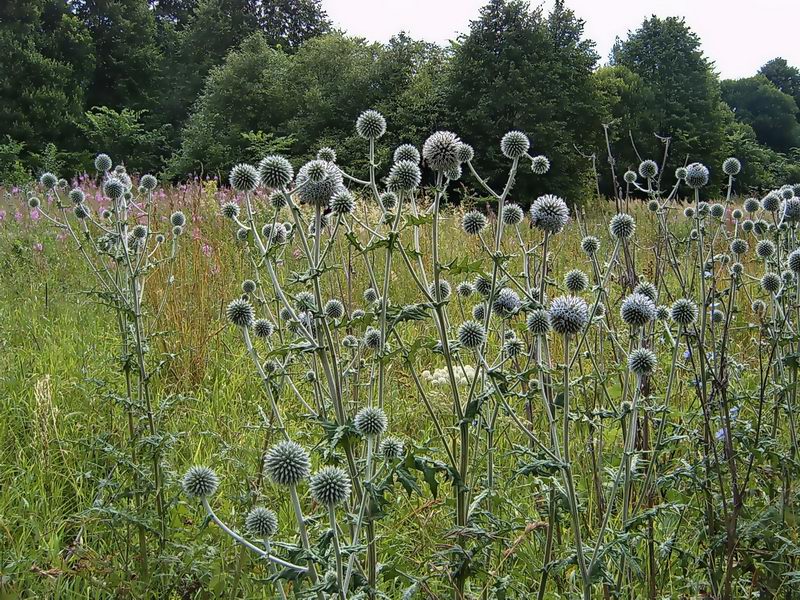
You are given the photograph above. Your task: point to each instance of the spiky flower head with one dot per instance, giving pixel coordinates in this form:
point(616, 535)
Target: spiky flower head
point(113, 188)
point(739, 246)
point(391, 448)
point(662, 313)
point(406, 152)
point(590, 245)
point(506, 304)
point(389, 200)
point(513, 347)
point(276, 234)
point(465, 289)
point(342, 202)
point(765, 249)
point(549, 213)
point(244, 177)
point(684, 312)
point(200, 482)
point(261, 522)
point(453, 174)
point(471, 334)
point(441, 151)
point(629, 176)
point(514, 144)
point(696, 175)
point(304, 300)
point(370, 124)
point(287, 463)
point(33, 202)
point(263, 328)
point(540, 164)
point(102, 163)
point(717, 210)
point(538, 321)
point(512, 214)
point(760, 227)
point(444, 289)
point(793, 261)
point(653, 206)
point(371, 421)
point(48, 180)
point(330, 486)
point(771, 202)
point(404, 176)
point(465, 153)
point(334, 309)
point(372, 338)
point(230, 210)
point(177, 219)
point(637, 310)
point(473, 222)
point(737, 214)
point(148, 182)
point(737, 269)
point(680, 173)
point(786, 192)
point(81, 211)
point(645, 288)
point(791, 210)
point(327, 154)
point(178, 231)
point(318, 182)
point(717, 316)
point(576, 281)
point(370, 296)
point(568, 314)
point(483, 285)
point(758, 306)
point(76, 196)
point(479, 312)
point(787, 277)
point(240, 312)
point(248, 286)
point(751, 205)
point(648, 169)
point(747, 225)
point(622, 226)
point(688, 212)
point(731, 166)
point(276, 171)
point(139, 231)
point(642, 361)
point(771, 283)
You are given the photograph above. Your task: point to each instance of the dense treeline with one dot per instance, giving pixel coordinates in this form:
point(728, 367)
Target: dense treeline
point(191, 86)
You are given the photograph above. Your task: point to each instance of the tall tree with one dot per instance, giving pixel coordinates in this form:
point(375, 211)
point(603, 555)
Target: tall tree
point(783, 76)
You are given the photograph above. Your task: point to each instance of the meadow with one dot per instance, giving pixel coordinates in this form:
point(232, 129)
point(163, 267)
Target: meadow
point(627, 454)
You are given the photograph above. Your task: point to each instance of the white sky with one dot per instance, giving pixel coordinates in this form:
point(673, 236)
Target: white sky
point(738, 35)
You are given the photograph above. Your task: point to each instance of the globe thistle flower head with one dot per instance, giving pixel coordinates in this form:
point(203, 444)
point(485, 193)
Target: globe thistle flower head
point(248, 286)
point(304, 300)
point(629, 177)
point(48, 180)
point(680, 173)
point(793, 261)
point(389, 200)
point(404, 176)
point(148, 182)
point(576, 281)
point(334, 309)
point(590, 245)
point(240, 313)
point(568, 314)
point(464, 289)
point(327, 154)
point(76, 196)
point(513, 347)
point(696, 175)
point(178, 231)
point(444, 289)
point(276, 234)
point(441, 150)
point(370, 125)
point(786, 192)
point(33, 202)
point(737, 269)
point(645, 288)
point(765, 249)
point(739, 246)
point(751, 205)
point(684, 312)
point(471, 334)
point(642, 361)
point(549, 213)
point(314, 190)
point(139, 232)
point(648, 169)
point(761, 227)
point(243, 177)
point(330, 486)
point(287, 463)
point(473, 222)
point(717, 210)
point(653, 206)
point(771, 202)
point(391, 448)
point(342, 202)
point(277, 200)
point(372, 338)
point(506, 304)
point(791, 210)
point(514, 144)
point(81, 211)
point(261, 522)
point(230, 210)
point(160, 239)
point(263, 328)
point(356, 314)
point(771, 283)
point(371, 421)
point(512, 214)
point(703, 208)
point(177, 219)
point(737, 214)
point(465, 153)
point(453, 174)
point(113, 188)
point(483, 285)
point(688, 212)
point(538, 321)
point(275, 172)
point(479, 312)
point(407, 152)
point(662, 313)
point(200, 482)
point(787, 277)
point(637, 310)
point(102, 163)
point(370, 296)
point(731, 166)
point(747, 225)
point(622, 226)
point(717, 316)
point(540, 164)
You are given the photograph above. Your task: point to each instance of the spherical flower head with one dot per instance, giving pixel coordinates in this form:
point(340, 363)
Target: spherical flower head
point(737, 269)
point(76, 196)
point(287, 463)
point(731, 166)
point(139, 232)
point(327, 154)
point(33, 202)
point(751, 205)
point(765, 249)
point(240, 313)
point(330, 486)
point(261, 522)
point(737, 214)
point(739, 246)
point(370, 125)
point(787, 277)
point(483, 285)
point(81, 211)
point(760, 227)
point(102, 163)
point(758, 306)
point(304, 300)
point(653, 206)
point(684, 312)
point(48, 180)
point(263, 328)
point(771, 202)
point(406, 152)
point(372, 338)
point(747, 225)
point(440, 150)
point(177, 219)
point(662, 313)
point(717, 316)
point(568, 314)
point(444, 289)
point(342, 202)
point(357, 314)
point(637, 310)
point(276, 172)
point(696, 175)
point(200, 482)
point(248, 286)
point(453, 174)
point(370, 296)
point(703, 208)
point(243, 177)
point(786, 192)
point(471, 334)
point(514, 144)
point(277, 200)
point(717, 210)
point(680, 173)
point(391, 448)
point(576, 281)
point(513, 347)
point(506, 304)
point(318, 191)
point(645, 288)
point(465, 289)
point(371, 421)
point(277, 233)
point(230, 210)
point(629, 176)
point(793, 261)
point(590, 245)
point(538, 321)
point(622, 226)
point(688, 212)
point(648, 169)
point(334, 309)
point(771, 283)
point(404, 176)
point(465, 153)
point(549, 213)
point(642, 361)
point(512, 214)
point(389, 200)
point(473, 222)
point(791, 210)
point(113, 188)
point(540, 164)
point(148, 182)
point(479, 312)
point(178, 231)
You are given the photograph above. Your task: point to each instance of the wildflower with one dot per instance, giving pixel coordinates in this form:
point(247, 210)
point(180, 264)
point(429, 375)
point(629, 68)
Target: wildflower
point(287, 463)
